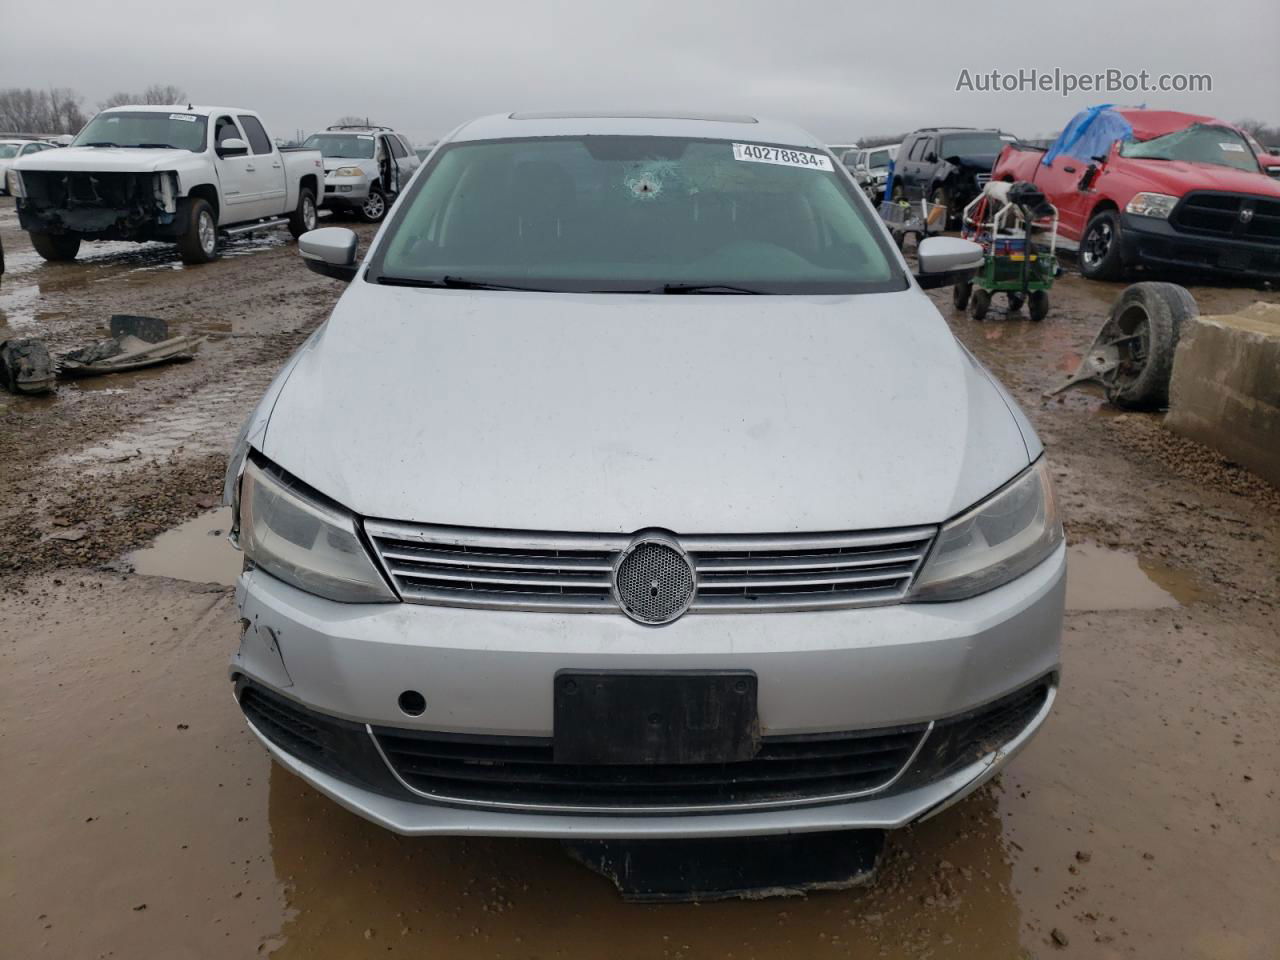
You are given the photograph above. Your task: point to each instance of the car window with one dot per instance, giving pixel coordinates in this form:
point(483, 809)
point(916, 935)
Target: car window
point(396, 147)
point(980, 143)
point(150, 128)
point(342, 146)
point(917, 150)
point(1198, 143)
point(619, 214)
point(259, 142)
point(408, 147)
point(9, 150)
point(224, 129)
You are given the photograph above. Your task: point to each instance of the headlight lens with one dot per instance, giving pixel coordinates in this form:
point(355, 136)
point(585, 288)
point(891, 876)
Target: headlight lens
point(348, 172)
point(1152, 205)
point(13, 181)
point(997, 541)
point(310, 544)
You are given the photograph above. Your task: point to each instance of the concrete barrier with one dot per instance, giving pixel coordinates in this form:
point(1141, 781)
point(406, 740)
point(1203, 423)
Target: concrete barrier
point(1225, 390)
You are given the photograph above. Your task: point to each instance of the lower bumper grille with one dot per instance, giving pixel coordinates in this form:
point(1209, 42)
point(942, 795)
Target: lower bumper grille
point(520, 772)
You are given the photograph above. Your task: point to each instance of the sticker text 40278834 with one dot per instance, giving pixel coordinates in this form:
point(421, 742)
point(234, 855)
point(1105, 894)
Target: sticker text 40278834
point(784, 156)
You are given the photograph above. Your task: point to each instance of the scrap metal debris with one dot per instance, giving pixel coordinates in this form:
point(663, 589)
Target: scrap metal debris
point(135, 342)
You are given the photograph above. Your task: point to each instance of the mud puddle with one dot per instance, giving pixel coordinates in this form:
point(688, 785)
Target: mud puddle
point(197, 551)
point(1101, 578)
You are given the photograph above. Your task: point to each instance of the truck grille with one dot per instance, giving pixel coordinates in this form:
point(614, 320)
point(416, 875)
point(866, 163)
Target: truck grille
point(1219, 214)
point(573, 572)
point(521, 771)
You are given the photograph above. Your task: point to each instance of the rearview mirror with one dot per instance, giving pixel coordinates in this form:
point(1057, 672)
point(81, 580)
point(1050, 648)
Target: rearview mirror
point(330, 252)
point(233, 147)
point(946, 261)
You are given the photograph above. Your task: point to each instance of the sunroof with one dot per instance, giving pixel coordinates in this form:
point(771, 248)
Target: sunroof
point(586, 115)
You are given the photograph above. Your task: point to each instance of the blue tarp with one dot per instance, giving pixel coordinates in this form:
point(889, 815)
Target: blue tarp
point(1089, 134)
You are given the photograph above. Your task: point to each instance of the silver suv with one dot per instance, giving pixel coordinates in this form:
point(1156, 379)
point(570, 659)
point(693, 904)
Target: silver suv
point(364, 167)
point(635, 488)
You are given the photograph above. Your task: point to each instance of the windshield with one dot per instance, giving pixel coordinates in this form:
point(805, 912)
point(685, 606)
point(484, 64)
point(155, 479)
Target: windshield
point(879, 159)
point(977, 144)
point(342, 146)
point(183, 131)
point(8, 150)
point(1198, 143)
point(635, 214)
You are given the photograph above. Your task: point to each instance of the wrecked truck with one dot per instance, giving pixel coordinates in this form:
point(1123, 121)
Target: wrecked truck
point(186, 175)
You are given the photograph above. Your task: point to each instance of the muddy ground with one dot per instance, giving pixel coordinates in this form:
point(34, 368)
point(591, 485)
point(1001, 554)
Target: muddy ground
point(139, 818)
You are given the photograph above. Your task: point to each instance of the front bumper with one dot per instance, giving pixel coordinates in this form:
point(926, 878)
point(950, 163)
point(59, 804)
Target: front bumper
point(490, 673)
point(1151, 241)
point(345, 191)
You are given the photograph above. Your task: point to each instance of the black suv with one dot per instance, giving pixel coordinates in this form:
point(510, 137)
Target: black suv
point(947, 165)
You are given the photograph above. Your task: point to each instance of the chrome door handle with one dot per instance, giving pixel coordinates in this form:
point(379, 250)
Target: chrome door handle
point(276, 166)
point(250, 166)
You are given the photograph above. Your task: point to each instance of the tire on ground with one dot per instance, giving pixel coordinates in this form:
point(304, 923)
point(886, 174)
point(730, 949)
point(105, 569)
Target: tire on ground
point(56, 246)
point(1163, 308)
point(979, 303)
point(960, 295)
point(192, 247)
point(377, 203)
point(1038, 306)
point(303, 217)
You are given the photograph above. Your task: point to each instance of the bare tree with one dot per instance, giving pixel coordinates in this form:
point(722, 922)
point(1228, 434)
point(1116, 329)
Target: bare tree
point(157, 93)
point(26, 110)
point(351, 120)
point(1264, 133)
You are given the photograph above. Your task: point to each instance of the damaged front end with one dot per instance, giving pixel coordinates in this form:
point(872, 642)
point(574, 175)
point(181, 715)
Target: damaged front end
point(100, 206)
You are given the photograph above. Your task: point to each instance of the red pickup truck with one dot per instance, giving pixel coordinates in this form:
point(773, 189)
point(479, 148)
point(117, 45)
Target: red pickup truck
point(1157, 188)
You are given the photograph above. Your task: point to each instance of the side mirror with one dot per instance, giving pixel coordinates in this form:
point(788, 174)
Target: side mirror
point(946, 261)
point(931, 158)
point(330, 252)
point(233, 147)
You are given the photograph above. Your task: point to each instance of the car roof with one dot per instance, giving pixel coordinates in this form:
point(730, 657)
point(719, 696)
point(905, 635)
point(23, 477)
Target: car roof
point(655, 124)
point(175, 108)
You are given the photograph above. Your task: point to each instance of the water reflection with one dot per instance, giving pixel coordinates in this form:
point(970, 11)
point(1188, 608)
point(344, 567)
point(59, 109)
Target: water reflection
point(349, 884)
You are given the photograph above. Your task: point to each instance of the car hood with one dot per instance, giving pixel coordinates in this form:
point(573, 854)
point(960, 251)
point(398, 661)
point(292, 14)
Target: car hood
point(333, 163)
point(105, 160)
point(1176, 177)
point(614, 413)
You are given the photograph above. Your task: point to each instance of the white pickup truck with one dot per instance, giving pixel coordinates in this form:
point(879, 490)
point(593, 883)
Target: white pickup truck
point(188, 175)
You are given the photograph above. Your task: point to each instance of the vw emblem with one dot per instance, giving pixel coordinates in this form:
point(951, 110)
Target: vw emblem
point(1246, 214)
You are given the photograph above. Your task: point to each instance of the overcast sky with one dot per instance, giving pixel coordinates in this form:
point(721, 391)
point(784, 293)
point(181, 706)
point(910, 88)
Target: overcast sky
point(837, 67)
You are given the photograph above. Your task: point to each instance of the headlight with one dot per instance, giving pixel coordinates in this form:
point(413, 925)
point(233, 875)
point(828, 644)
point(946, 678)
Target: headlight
point(13, 180)
point(1152, 205)
point(311, 544)
point(348, 172)
point(1002, 538)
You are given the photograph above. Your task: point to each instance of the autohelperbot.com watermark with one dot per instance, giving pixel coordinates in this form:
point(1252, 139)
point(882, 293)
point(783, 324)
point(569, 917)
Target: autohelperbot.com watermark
point(1066, 82)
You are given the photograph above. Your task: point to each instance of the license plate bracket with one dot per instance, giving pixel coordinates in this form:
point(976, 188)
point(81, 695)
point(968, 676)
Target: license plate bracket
point(675, 717)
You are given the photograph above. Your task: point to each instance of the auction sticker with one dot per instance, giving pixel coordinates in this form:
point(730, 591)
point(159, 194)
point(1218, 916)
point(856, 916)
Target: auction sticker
point(783, 156)
point(182, 116)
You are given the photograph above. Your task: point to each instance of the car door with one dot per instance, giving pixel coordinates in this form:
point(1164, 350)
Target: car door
point(266, 169)
point(410, 161)
point(235, 174)
point(908, 170)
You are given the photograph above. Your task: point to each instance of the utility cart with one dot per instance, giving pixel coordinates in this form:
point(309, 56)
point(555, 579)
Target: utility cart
point(1018, 230)
point(913, 216)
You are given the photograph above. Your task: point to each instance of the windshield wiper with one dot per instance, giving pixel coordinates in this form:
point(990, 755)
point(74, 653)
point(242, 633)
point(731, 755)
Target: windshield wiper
point(99, 143)
point(157, 146)
point(704, 288)
point(453, 283)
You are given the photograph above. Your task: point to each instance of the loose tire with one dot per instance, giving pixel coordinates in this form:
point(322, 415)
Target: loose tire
point(375, 206)
point(1038, 305)
point(199, 243)
point(304, 218)
point(56, 246)
point(1145, 325)
point(1100, 248)
point(979, 303)
point(1015, 301)
point(960, 295)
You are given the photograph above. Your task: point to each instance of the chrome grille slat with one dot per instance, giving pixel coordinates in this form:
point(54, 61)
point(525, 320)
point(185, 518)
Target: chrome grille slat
point(573, 572)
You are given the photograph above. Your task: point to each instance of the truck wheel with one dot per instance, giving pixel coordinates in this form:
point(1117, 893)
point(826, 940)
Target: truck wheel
point(56, 246)
point(1039, 305)
point(1100, 248)
point(960, 295)
point(980, 303)
point(375, 205)
point(304, 218)
point(199, 243)
point(1144, 327)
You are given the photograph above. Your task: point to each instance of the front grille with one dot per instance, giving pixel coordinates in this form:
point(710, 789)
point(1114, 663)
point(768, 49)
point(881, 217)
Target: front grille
point(573, 572)
point(521, 770)
point(982, 179)
point(1218, 214)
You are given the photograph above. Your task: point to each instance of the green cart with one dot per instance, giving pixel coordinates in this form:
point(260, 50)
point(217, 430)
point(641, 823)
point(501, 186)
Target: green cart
point(1007, 221)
